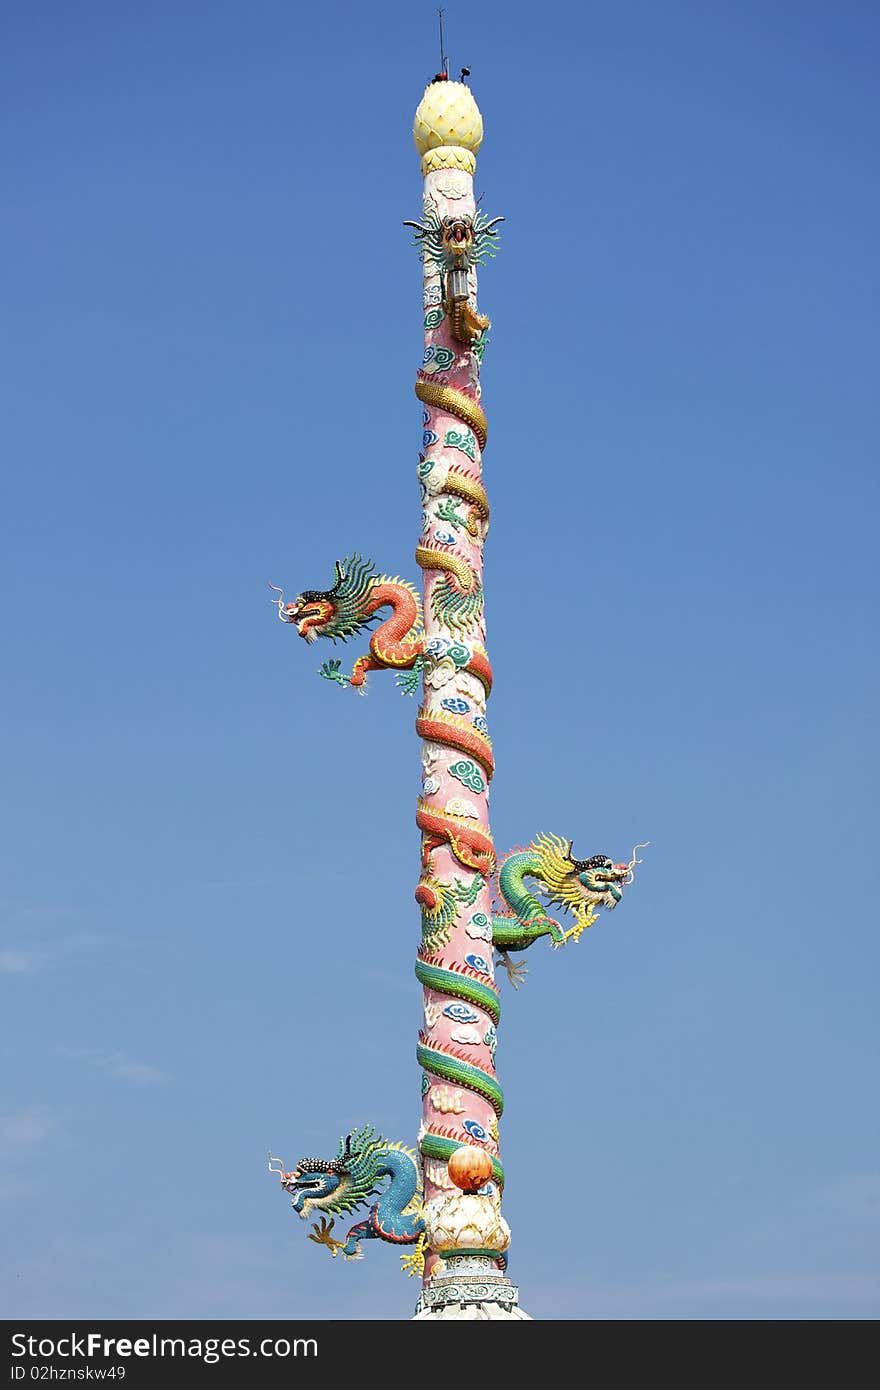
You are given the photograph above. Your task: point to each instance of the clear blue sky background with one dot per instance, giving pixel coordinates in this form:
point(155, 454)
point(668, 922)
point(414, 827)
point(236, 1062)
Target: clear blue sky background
point(211, 332)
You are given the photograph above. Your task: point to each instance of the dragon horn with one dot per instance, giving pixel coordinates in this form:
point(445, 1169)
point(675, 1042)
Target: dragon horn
point(579, 864)
point(338, 1164)
point(425, 231)
point(340, 580)
point(489, 225)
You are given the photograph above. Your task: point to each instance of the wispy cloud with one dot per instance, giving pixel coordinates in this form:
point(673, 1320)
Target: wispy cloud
point(119, 1065)
point(20, 960)
point(126, 1069)
point(17, 962)
point(22, 1130)
point(32, 939)
point(22, 1134)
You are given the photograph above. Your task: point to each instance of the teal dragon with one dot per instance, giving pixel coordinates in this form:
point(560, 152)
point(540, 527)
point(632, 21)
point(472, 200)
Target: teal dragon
point(347, 1181)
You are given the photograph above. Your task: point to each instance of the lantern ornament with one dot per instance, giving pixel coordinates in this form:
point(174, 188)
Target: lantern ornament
point(470, 1168)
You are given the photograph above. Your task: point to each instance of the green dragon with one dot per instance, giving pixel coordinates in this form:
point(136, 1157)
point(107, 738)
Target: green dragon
point(579, 885)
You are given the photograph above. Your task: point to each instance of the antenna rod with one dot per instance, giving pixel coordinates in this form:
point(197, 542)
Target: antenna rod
point(443, 67)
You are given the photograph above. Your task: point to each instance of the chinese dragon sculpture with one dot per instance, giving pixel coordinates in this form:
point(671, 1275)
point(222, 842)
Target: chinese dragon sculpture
point(348, 1181)
point(354, 605)
point(457, 242)
point(472, 906)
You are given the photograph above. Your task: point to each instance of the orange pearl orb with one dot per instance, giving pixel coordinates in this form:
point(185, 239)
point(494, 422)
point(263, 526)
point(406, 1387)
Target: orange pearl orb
point(470, 1167)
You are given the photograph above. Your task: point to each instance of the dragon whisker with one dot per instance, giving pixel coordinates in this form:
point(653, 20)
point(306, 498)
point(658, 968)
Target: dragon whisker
point(632, 863)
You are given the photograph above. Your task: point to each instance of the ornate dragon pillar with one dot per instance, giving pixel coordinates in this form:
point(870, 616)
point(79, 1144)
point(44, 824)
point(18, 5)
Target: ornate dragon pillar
point(462, 1101)
point(442, 1206)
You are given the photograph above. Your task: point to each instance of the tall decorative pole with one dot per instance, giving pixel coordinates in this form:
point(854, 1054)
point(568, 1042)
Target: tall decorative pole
point(461, 1098)
point(444, 1203)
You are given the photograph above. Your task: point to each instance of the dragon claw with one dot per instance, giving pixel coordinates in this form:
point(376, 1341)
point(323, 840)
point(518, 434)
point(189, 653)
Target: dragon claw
point(415, 1263)
point(584, 921)
point(516, 970)
point(408, 681)
point(322, 1236)
point(331, 672)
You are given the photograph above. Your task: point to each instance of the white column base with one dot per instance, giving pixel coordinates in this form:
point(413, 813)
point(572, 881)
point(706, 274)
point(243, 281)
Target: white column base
point(470, 1288)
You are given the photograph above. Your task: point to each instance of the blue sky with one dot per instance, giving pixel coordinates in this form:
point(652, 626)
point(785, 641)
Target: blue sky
point(212, 329)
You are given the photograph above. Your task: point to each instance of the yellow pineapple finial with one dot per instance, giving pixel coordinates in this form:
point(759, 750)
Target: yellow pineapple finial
point(448, 127)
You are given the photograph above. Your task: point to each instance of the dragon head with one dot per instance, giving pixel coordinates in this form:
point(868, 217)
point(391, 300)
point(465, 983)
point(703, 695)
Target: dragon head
point(338, 612)
point(457, 240)
point(597, 879)
point(335, 1184)
point(580, 884)
point(313, 1185)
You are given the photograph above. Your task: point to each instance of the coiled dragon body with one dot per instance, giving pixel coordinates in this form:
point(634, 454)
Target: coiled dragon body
point(354, 604)
point(471, 905)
